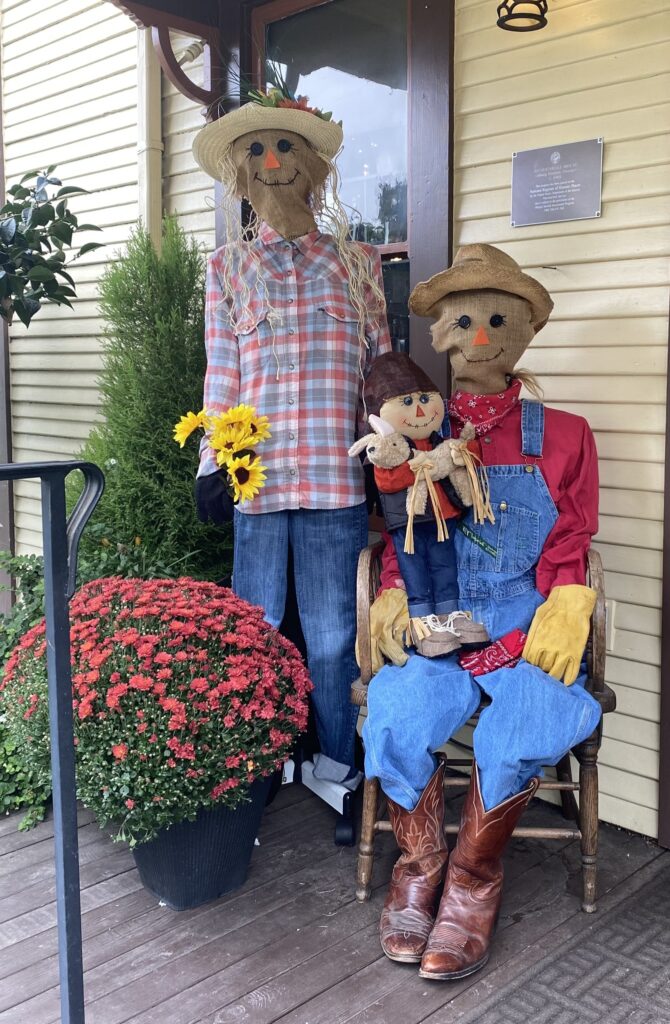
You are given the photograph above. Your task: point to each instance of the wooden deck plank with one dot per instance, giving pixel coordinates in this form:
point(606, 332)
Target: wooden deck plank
point(291, 945)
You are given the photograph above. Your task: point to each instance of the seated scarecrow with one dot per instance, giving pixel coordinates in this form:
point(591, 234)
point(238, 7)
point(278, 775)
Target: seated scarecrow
point(523, 576)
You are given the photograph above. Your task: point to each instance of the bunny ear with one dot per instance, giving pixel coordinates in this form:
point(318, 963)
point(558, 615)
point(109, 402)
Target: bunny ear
point(358, 446)
point(380, 426)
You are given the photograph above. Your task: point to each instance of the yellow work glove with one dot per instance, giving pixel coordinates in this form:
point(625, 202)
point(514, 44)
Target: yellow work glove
point(559, 631)
point(389, 620)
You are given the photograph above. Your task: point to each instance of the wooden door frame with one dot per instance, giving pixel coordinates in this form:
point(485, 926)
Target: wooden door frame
point(430, 63)
point(664, 741)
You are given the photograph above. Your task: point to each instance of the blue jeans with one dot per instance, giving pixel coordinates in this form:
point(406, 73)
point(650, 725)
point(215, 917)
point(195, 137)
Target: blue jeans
point(412, 711)
point(429, 574)
point(325, 544)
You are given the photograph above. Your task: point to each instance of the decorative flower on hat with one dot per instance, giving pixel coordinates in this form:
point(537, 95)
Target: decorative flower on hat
point(281, 97)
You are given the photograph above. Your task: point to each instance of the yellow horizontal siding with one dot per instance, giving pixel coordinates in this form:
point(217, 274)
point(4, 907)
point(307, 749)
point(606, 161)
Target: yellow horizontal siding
point(69, 86)
point(597, 70)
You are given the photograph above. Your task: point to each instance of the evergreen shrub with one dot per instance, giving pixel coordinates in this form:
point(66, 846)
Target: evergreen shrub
point(153, 368)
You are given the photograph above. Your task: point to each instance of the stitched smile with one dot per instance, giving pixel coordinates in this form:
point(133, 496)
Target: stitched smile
point(274, 184)
point(488, 359)
point(408, 424)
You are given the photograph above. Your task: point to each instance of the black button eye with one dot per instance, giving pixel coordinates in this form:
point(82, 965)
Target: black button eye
point(256, 148)
point(424, 399)
point(497, 320)
point(464, 321)
point(284, 145)
point(407, 400)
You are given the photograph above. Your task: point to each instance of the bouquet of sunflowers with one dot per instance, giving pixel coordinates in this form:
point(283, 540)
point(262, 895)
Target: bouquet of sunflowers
point(233, 435)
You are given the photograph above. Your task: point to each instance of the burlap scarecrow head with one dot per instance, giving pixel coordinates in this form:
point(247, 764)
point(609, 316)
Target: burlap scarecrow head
point(486, 312)
point(403, 396)
point(276, 152)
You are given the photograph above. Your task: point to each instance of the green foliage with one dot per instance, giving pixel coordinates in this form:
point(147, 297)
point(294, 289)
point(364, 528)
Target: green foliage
point(21, 788)
point(20, 785)
point(35, 230)
point(28, 608)
point(154, 368)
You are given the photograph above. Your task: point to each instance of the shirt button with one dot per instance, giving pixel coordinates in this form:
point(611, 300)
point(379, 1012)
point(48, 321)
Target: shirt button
point(291, 401)
point(290, 299)
point(529, 469)
point(291, 330)
point(287, 245)
point(487, 440)
point(291, 366)
point(291, 437)
point(503, 506)
point(292, 472)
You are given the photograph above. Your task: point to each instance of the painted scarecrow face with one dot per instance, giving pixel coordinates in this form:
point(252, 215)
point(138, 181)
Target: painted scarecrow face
point(485, 333)
point(278, 171)
point(416, 414)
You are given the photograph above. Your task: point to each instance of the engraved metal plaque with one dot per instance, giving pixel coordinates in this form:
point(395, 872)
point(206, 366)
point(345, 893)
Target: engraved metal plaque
point(557, 183)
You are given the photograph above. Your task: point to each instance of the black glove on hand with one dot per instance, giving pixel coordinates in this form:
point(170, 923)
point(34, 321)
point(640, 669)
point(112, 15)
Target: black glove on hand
point(213, 501)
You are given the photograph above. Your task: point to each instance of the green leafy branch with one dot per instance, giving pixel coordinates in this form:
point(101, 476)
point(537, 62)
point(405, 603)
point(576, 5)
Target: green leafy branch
point(35, 230)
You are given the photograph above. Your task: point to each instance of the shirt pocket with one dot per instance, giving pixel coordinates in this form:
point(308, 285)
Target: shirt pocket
point(255, 339)
point(336, 339)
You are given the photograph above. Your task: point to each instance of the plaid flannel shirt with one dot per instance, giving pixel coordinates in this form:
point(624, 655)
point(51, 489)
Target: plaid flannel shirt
point(304, 372)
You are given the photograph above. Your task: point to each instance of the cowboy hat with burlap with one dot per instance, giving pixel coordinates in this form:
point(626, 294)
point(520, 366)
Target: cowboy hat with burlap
point(212, 141)
point(476, 267)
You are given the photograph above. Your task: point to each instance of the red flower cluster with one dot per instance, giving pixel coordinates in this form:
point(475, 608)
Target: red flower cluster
point(182, 695)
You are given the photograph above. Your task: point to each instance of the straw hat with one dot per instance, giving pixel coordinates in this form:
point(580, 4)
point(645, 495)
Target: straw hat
point(483, 266)
point(212, 141)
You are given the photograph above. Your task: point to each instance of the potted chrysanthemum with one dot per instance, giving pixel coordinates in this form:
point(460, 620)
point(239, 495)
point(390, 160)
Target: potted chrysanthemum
point(185, 702)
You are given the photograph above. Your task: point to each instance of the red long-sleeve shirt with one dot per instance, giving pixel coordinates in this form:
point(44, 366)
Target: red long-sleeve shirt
point(569, 465)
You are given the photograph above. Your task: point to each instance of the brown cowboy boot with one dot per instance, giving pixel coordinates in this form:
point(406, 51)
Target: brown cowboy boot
point(414, 890)
point(460, 939)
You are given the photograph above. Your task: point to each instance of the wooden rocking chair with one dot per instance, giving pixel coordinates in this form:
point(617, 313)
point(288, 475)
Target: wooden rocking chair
point(584, 814)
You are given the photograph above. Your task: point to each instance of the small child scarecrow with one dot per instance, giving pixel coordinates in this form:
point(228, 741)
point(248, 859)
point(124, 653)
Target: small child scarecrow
point(295, 315)
point(421, 487)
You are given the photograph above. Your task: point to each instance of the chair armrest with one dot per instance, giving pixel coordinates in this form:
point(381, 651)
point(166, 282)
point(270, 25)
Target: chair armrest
point(597, 641)
point(367, 580)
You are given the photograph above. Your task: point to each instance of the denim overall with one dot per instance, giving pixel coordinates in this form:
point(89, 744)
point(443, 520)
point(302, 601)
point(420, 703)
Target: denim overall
point(533, 719)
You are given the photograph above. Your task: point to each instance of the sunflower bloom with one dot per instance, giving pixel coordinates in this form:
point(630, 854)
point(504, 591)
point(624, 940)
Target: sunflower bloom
point(187, 424)
point(228, 440)
point(260, 429)
point(247, 476)
point(238, 416)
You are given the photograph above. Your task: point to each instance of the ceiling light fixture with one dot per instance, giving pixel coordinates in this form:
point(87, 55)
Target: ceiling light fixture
point(522, 15)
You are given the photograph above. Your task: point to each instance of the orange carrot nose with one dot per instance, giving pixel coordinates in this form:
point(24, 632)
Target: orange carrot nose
point(481, 337)
point(419, 412)
point(271, 162)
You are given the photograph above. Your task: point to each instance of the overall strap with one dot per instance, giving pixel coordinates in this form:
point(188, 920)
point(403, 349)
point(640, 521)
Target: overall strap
point(532, 428)
point(445, 429)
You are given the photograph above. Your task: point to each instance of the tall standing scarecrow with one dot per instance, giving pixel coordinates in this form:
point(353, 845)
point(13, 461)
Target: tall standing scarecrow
point(295, 315)
point(523, 576)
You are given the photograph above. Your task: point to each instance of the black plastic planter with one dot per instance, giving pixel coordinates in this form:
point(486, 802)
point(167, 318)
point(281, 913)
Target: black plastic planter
point(197, 861)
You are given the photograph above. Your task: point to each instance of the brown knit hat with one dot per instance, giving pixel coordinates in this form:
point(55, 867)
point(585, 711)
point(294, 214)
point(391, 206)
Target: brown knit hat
point(483, 266)
point(391, 375)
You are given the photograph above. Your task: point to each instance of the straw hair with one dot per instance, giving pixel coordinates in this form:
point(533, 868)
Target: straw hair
point(243, 251)
point(214, 140)
point(483, 266)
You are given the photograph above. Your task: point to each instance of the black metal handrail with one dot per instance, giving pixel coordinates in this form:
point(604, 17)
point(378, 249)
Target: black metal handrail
point(61, 540)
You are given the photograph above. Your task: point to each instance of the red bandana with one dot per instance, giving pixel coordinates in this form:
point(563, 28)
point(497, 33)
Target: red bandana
point(484, 411)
